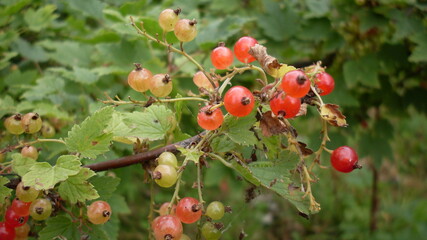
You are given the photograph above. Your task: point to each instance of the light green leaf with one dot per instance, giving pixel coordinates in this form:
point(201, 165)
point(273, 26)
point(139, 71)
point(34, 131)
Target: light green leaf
point(4, 191)
point(237, 129)
point(6, 56)
point(40, 18)
point(89, 138)
point(91, 8)
point(77, 189)
point(31, 51)
point(21, 165)
point(6, 105)
point(45, 87)
point(85, 76)
point(419, 53)
point(152, 124)
point(43, 176)
point(190, 154)
point(105, 186)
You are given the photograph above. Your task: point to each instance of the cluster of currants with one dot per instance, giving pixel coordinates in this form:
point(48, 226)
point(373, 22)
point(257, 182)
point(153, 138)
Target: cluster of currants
point(30, 123)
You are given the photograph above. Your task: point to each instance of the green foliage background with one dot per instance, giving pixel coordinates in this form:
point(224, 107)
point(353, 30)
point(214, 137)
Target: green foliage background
point(58, 58)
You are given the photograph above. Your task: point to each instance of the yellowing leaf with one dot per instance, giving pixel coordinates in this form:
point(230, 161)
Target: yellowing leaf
point(330, 113)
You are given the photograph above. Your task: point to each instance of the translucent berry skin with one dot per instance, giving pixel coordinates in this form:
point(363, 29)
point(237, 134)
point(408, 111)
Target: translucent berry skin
point(140, 79)
point(163, 210)
point(215, 210)
point(295, 83)
point(6, 232)
point(31, 122)
point(40, 209)
point(167, 158)
point(21, 208)
point(167, 19)
point(99, 212)
point(26, 194)
point(285, 105)
point(161, 85)
point(13, 124)
point(201, 81)
point(13, 219)
point(47, 130)
point(325, 82)
point(210, 232)
point(185, 30)
point(167, 225)
point(222, 57)
point(344, 159)
point(168, 175)
point(22, 231)
point(188, 210)
point(242, 47)
point(210, 120)
point(239, 101)
point(30, 152)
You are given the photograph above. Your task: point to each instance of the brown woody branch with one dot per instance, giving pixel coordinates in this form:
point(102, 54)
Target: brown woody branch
point(142, 157)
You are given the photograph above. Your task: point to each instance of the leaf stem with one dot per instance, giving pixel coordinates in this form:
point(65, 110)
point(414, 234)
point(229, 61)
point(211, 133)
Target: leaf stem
point(222, 160)
point(121, 102)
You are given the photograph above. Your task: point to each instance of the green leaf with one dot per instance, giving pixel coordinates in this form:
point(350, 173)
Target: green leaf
point(237, 129)
point(89, 138)
point(118, 204)
point(21, 165)
point(77, 189)
point(91, 8)
point(60, 226)
point(363, 70)
point(6, 105)
point(279, 23)
point(45, 87)
point(69, 53)
point(419, 53)
point(191, 154)
point(43, 176)
point(152, 124)
point(105, 186)
point(246, 172)
point(41, 18)
point(85, 76)
point(6, 56)
point(4, 191)
point(31, 51)
point(222, 144)
point(317, 8)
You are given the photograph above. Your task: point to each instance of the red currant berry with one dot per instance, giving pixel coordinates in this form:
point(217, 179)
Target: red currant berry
point(185, 30)
point(344, 159)
point(21, 208)
point(161, 85)
point(210, 119)
point(295, 83)
point(13, 124)
point(99, 212)
point(40, 209)
point(242, 47)
point(285, 105)
point(165, 175)
point(167, 227)
point(22, 231)
point(48, 130)
point(239, 101)
point(13, 219)
point(188, 210)
point(168, 18)
point(221, 57)
point(164, 209)
point(140, 78)
point(26, 193)
point(31, 122)
point(325, 82)
point(6, 232)
point(30, 152)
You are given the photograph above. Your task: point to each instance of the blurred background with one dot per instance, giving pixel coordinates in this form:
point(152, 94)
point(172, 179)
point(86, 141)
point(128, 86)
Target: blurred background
point(59, 57)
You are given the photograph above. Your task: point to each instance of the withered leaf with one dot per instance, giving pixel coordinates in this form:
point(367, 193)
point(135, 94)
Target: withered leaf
point(302, 110)
point(269, 63)
point(302, 148)
point(332, 114)
point(271, 125)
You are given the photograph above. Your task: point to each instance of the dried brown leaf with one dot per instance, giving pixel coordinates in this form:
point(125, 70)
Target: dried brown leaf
point(269, 63)
point(332, 114)
point(271, 125)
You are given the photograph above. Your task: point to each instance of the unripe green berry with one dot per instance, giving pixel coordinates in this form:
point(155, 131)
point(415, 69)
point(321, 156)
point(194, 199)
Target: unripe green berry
point(185, 30)
point(13, 124)
point(40, 209)
point(31, 122)
point(167, 158)
point(215, 210)
point(30, 152)
point(165, 175)
point(168, 19)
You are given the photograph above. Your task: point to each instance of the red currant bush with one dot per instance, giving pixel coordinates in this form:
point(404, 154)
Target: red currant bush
point(140, 78)
point(6, 232)
point(325, 83)
point(295, 83)
point(99, 212)
point(165, 175)
point(242, 47)
point(13, 124)
point(344, 159)
point(221, 57)
point(167, 227)
point(31, 122)
point(40, 209)
point(161, 85)
point(285, 105)
point(21, 208)
point(210, 119)
point(185, 30)
point(168, 19)
point(188, 210)
point(13, 219)
point(30, 152)
point(239, 101)
point(25, 193)
point(201, 81)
